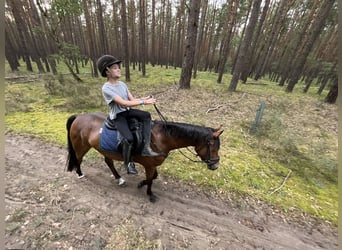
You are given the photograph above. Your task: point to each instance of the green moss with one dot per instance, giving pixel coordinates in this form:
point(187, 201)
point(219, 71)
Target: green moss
point(50, 126)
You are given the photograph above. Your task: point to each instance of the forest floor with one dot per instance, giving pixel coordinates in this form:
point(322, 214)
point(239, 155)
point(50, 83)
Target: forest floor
point(49, 208)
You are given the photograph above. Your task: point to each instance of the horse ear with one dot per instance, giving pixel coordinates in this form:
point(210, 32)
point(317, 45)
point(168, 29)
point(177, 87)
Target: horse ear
point(217, 133)
point(218, 128)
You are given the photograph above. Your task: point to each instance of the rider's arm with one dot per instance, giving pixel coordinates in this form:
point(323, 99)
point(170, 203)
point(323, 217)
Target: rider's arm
point(134, 101)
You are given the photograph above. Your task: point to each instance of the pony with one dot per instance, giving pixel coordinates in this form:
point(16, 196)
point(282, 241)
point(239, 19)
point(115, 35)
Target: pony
point(84, 131)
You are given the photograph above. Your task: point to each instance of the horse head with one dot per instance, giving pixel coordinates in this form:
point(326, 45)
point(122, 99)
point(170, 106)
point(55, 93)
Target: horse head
point(208, 151)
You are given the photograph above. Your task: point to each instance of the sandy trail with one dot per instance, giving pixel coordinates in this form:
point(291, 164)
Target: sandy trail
point(49, 208)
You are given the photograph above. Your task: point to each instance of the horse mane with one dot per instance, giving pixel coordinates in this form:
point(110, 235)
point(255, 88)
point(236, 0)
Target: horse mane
point(185, 130)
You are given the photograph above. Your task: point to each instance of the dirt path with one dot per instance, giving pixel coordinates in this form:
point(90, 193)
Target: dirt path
point(48, 208)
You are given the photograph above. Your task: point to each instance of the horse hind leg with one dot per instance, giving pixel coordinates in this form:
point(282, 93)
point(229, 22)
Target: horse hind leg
point(79, 156)
point(79, 172)
point(75, 163)
point(78, 168)
point(110, 164)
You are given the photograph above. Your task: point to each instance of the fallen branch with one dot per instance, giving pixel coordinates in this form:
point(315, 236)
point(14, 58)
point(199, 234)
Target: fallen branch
point(219, 106)
point(282, 184)
point(212, 109)
point(186, 228)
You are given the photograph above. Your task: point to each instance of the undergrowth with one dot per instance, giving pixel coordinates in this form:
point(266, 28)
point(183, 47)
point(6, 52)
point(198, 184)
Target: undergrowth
point(290, 162)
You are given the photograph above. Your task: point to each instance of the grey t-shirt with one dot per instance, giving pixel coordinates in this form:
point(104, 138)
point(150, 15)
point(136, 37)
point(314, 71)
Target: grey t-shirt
point(109, 92)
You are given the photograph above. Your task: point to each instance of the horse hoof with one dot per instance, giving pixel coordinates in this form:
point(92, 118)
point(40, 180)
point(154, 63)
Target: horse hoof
point(80, 176)
point(121, 181)
point(153, 198)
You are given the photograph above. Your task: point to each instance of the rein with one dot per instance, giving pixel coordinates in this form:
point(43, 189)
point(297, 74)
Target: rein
point(161, 116)
point(159, 113)
point(208, 161)
point(180, 151)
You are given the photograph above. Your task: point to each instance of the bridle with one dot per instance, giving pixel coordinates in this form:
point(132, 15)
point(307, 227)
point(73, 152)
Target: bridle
point(209, 161)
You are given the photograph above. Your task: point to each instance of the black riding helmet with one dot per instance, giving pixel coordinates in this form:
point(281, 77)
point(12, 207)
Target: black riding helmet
point(106, 61)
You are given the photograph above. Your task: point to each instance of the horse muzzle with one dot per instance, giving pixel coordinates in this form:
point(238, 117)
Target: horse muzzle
point(213, 164)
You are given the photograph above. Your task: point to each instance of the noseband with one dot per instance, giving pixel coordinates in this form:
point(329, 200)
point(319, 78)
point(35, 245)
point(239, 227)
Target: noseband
point(209, 161)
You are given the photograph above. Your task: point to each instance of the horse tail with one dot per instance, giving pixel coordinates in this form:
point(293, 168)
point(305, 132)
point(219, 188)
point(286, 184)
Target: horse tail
point(72, 159)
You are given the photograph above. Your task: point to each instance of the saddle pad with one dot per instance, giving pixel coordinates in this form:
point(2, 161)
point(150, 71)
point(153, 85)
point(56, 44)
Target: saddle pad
point(109, 139)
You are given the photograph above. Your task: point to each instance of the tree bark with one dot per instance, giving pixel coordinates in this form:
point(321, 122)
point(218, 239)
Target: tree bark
point(153, 33)
point(91, 38)
point(188, 60)
point(22, 30)
point(241, 61)
point(200, 37)
point(313, 34)
point(10, 52)
point(125, 39)
point(103, 48)
point(223, 57)
point(255, 43)
point(333, 93)
point(142, 36)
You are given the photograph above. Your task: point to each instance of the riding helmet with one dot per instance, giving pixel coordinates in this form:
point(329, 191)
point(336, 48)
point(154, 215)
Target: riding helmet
point(106, 61)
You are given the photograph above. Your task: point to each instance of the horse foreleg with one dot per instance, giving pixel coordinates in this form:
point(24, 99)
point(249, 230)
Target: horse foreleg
point(150, 176)
point(144, 182)
point(110, 164)
point(155, 175)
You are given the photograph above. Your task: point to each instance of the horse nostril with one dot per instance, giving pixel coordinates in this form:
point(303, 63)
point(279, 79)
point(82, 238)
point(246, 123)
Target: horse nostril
point(212, 166)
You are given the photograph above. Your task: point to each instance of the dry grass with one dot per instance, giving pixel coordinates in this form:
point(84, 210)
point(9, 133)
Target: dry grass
point(126, 237)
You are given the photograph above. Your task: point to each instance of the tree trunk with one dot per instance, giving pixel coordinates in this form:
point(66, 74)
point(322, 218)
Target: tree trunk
point(313, 34)
point(241, 61)
point(327, 77)
point(131, 17)
point(333, 93)
point(177, 55)
point(10, 52)
point(188, 60)
point(211, 41)
point(103, 48)
point(142, 36)
point(22, 30)
point(91, 38)
point(231, 17)
point(258, 35)
point(200, 37)
point(153, 34)
point(273, 36)
point(125, 39)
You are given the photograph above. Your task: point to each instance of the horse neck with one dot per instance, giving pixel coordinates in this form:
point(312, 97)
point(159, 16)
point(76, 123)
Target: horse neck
point(175, 143)
point(180, 135)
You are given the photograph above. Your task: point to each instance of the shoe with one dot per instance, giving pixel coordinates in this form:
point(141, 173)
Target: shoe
point(127, 153)
point(131, 168)
point(147, 151)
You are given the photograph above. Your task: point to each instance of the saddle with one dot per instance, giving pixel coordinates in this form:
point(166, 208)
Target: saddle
point(136, 127)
